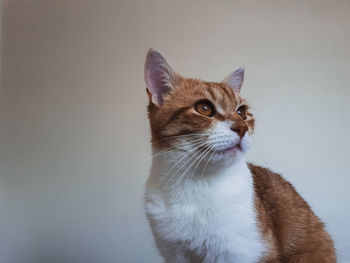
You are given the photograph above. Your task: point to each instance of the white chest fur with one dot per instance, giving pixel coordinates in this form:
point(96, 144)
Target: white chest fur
point(213, 216)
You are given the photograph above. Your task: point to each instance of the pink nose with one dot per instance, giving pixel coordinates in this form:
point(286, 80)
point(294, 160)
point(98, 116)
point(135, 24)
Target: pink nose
point(240, 128)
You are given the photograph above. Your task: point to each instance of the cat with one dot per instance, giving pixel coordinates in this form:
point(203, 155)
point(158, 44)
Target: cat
point(204, 202)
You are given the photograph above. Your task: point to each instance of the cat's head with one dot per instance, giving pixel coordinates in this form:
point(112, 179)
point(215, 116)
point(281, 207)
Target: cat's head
point(208, 121)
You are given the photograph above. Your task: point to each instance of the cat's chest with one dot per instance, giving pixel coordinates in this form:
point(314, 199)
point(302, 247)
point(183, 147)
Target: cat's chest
point(219, 217)
point(207, 211)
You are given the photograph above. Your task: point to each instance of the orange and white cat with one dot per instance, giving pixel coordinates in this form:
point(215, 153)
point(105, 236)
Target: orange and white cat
point(204, 202)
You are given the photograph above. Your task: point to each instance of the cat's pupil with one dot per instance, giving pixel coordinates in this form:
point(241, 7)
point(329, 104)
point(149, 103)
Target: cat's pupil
point(205, 108)
point(241, 112)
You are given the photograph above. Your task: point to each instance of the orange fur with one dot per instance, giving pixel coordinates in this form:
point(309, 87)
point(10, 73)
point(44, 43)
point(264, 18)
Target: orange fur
point(287, 224)
point(294, 232)
point(177, 116)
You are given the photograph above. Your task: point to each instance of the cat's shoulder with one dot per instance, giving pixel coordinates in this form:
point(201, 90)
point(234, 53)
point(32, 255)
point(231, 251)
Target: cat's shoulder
point(272, 186)
point(287, 221)
point(264, 177)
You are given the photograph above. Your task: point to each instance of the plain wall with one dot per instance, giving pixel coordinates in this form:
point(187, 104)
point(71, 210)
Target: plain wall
point(75, 150)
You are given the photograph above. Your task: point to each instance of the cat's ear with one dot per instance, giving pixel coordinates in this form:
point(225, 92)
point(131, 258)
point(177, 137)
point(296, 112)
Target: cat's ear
point(235, 79)
point(159, 76)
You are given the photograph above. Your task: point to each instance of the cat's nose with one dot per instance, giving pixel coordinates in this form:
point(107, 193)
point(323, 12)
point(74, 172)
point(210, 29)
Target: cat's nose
point(240, 128)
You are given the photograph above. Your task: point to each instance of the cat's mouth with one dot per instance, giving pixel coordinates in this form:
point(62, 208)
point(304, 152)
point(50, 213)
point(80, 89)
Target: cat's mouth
point(234, 148)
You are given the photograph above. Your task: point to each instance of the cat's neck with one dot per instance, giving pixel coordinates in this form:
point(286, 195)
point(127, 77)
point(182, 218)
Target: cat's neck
point(176, 169)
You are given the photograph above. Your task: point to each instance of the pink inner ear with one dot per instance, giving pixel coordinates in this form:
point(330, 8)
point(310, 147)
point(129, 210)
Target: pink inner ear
point(235, 79)
point(156, 83)
point(158, 75)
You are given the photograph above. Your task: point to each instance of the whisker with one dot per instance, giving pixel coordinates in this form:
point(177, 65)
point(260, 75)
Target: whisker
point(190, 164)
point(183, 136)
point(209, 159)
point(191, 157)
point(184, 156)
point(178, 146)
point(204, 154)
point(199, 152)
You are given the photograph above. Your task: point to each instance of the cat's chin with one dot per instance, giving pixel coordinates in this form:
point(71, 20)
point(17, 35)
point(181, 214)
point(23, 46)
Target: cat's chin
point(234, 152)
point(231, 150)
point(228, 156)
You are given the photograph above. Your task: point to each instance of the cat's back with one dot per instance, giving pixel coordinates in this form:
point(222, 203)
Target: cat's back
point(294, 233)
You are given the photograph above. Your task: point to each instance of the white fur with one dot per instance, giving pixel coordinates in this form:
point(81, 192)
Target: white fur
point(210, 213)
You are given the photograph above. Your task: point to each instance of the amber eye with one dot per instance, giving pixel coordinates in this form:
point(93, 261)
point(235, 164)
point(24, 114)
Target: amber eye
point(242, 111)
point(205, 108)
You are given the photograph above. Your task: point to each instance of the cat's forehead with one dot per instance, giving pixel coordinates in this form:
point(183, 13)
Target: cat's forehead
point(218, 93)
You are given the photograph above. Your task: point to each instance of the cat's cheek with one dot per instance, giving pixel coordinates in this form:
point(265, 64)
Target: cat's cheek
point(246, 142)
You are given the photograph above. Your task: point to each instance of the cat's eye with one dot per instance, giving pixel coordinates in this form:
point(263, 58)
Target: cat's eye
point(205, 108)
point(242, 111)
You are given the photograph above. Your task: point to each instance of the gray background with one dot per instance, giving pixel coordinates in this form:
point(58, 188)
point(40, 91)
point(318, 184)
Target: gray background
point(74, 136)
